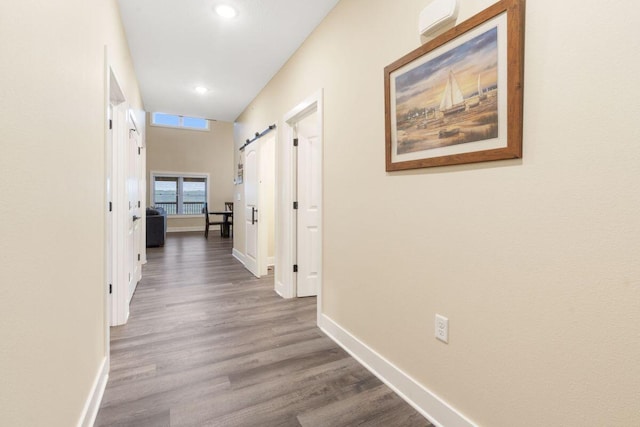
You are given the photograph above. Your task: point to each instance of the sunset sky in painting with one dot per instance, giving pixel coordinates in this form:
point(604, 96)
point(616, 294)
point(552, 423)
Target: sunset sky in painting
point(423, 85)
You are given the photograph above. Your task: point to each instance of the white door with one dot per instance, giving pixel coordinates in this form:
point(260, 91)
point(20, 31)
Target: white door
point(109, 245)
point(133, 231)
point(251, 197)
point(309, 244)
point(121, 213)
point(139, 241)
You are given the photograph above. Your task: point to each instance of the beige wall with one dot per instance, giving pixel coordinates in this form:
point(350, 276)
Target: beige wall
point(52, 105)
point(180, 150)
point(534, 261)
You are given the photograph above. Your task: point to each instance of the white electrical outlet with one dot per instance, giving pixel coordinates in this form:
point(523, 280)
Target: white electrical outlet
point(442, 328)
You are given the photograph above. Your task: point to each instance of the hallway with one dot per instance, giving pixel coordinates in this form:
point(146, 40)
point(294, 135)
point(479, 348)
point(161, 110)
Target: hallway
point(209, 344)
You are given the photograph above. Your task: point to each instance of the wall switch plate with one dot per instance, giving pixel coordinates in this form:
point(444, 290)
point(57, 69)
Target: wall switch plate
point(238, 196)
point(442, 328)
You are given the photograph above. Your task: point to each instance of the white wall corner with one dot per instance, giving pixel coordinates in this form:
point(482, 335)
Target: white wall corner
point(433, 408)
point(92, 404)
point(282, 290)
point(238, 255)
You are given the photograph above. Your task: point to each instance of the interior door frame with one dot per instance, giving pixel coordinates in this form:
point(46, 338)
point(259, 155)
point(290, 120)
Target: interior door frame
point(119, 301)
point(109, 244)
point(286, 225)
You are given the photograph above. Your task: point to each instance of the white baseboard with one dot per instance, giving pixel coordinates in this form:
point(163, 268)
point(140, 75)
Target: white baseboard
point(92, 404)
point(192, 228)
point(238, 255)
point(271, 261)
point(423, 400)
point(281, 289)
point(285, 291)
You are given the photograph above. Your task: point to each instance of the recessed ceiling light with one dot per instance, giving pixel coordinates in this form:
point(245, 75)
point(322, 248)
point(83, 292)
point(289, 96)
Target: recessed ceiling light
point(201, 90)
point(226, 11)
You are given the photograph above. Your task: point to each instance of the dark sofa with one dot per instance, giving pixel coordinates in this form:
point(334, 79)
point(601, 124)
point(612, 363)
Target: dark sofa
point(156, 226)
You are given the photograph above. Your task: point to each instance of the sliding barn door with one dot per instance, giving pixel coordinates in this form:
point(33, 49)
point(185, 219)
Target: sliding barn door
point(251, 214)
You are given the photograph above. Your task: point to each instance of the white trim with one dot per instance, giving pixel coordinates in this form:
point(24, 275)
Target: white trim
point(92, 404)
point(108, 214)
point(180, 122)
point(238, 255)
point(180, 127)
point(132, 290)
point(192, 228)
point(179, 174)
point(432, 407)
point(303, 107)
point(280, 288)
point(271, 261)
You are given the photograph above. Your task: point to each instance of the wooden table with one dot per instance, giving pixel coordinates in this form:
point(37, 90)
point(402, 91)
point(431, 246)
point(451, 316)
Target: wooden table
point(226, 224)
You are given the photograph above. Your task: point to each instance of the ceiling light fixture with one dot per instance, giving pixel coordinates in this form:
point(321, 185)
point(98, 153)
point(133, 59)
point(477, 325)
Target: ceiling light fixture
point(201, 90)
point(226, 11)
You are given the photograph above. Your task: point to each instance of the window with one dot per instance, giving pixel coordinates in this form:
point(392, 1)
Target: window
point(175, 121)
point(179, 194)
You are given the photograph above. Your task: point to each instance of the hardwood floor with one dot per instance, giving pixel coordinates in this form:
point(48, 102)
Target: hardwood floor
point(207, 344)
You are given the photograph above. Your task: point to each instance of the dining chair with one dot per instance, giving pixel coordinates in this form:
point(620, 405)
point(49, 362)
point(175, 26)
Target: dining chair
point(208, 222)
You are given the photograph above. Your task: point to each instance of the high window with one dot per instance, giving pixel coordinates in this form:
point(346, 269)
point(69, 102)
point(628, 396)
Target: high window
point(179, 194)
point(175, 121)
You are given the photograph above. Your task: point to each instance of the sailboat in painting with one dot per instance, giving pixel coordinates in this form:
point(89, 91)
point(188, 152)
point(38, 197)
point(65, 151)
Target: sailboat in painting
point(481, 94)
point(474, 101)
point(452, 98)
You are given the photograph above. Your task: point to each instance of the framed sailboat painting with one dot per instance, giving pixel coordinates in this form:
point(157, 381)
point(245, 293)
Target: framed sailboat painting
point(458, 98)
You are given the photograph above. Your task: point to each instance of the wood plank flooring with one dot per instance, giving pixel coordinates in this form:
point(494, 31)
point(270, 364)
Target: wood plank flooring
point(207, 344)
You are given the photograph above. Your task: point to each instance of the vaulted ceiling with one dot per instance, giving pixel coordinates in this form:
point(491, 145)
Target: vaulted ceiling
point(178, 46)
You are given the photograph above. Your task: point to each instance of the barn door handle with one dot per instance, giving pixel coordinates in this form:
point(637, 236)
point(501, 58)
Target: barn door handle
point(253, 215)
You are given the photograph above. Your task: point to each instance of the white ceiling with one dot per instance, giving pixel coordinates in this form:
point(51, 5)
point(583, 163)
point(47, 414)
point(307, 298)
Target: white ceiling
point(177, 45)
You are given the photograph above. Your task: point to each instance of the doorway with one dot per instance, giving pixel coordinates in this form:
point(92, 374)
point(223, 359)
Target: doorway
point(116, 125)
point(299, 236)
point(124, 169)
point(134, 200)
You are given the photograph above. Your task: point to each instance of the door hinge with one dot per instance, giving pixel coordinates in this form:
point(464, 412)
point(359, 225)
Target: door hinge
point(138, 151)
point(110, 206)
point(138, 203)
point(138, 257)
point(295, 142)
point(295, 205)
point(110, 288)
point(110, 124)
point(295, 268)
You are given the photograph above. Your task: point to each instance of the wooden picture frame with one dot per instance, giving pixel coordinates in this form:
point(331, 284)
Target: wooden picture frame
point(458, 99)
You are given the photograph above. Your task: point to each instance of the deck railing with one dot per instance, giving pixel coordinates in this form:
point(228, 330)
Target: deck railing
point(188, 208)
